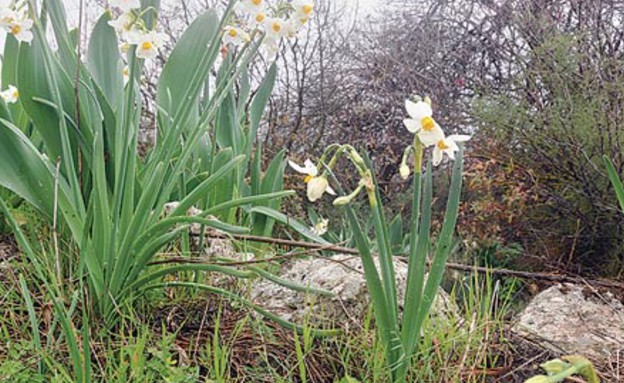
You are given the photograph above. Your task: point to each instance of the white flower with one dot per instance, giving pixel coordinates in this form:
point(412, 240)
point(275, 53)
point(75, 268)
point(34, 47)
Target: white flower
point(126, 5)
point(274, 27)
point(421, 122)
point(123, 24)
point(7, 17)
point(258, 17)
point(11, 95)
point(235, 36)
point(147, 43)
point(317, 185)
point(303, 9)
point(321, 227)
point(20, 29)
point(449, 146)
point(253, 6)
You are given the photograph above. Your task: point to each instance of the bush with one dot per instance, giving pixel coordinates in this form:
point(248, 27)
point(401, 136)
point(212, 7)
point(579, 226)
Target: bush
point(557, 123)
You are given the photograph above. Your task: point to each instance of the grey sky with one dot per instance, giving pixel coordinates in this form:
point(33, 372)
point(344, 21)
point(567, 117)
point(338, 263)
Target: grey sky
point(72, 6)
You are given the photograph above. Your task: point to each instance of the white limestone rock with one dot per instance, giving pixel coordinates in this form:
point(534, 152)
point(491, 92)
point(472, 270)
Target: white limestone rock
point(567, 319)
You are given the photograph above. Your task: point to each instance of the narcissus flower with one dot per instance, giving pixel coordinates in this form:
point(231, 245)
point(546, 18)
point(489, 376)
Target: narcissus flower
point(235, 36)
point(275, 28)
point(422, 122)
point(147, 43)
point(447, 146)
point(317, 185)
point(11, 95)
point(253, 6)
point(303, 8)
point(126, 5)
point(321, 227)
point(7, 17)
point(20, 29)
point(124, 23)
point(258, 18)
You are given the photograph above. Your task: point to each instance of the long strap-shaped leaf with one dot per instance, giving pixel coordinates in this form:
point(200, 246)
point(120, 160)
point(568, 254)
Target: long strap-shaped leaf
point(416, 269)
point(615, 180)
point(445, 240)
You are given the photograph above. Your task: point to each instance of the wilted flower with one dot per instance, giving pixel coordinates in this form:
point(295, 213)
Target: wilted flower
point(404, 171)
point(447, 146)
point(321, 227)
point(126, 5)
point(147, 43)
point(235, 36)
point(422, 122)
point(11, 95)
point(317, 185)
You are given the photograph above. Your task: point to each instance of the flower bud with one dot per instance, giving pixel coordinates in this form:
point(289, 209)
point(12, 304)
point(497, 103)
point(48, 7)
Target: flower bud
point(342, 201)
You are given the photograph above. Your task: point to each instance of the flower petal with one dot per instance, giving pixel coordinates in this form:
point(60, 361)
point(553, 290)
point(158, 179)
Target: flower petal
point(306, 169)
point(459, 137)
point(432, 137)
point(412, 125)
point(437, 156)
point(418, 110)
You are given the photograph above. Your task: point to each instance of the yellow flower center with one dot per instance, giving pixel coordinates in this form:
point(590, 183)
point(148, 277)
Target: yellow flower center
point(232, 32)
point(307, 178)
point(307, 9)
point(260, 17)
point(15, 94)
point(442, 145)
point(126, 72)
point(427, 124)
point(276, 27)
point(16, 29)
point(147, 46)
point(256, 2)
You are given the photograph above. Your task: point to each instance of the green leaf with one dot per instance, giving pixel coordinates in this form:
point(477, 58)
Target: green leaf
point(615, 181)
point(183, 70)
point(291, 222)
point(259, 103)
point(104, 61)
